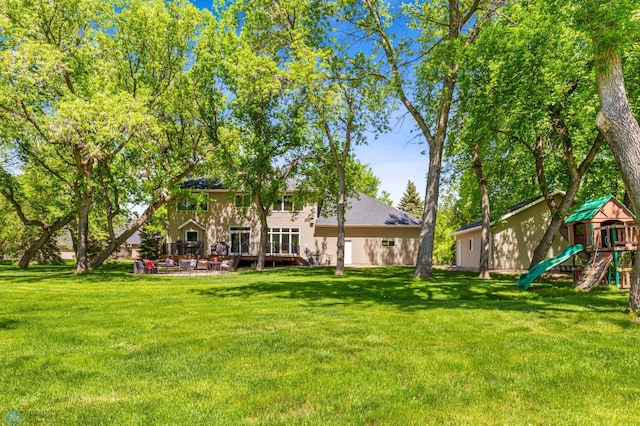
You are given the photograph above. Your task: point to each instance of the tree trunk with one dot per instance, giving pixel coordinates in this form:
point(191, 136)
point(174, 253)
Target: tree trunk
point(557, 221)
point(575, 172)
point(341, 211)
point(113, 245)
point(486, 214)
point(82, 264)
point(47, 232)
point(264, 233)
point(424, 262)
point(621, 130)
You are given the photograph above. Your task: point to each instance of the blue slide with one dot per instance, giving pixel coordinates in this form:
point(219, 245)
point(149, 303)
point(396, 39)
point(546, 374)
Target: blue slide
point(527, 278)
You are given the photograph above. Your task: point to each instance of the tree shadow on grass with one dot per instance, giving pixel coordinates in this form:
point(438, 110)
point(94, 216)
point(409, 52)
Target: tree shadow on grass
point(111, 272)
point(395, 286)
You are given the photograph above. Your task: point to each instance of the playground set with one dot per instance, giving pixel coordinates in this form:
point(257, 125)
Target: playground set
point(605, 230)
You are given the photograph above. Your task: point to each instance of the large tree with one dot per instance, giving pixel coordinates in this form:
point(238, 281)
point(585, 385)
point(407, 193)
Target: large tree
point(95, 94)
point(346, 102)
point(531, 111)
point(151, 46)
point(612, 31)
point(423, 73)
point(250, 55)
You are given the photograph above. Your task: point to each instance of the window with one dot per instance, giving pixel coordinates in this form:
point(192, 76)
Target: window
point(242, 201)
point(285, 204)
point(191, 235)
point(284, 240)
point(193, 203)
point(470, 244)
point(388, 243)
point(240, 240)
point(581, 229)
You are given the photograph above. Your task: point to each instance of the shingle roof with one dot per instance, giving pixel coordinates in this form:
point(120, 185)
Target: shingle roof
point(206, 183)
point(511, 209)
point(201, 183)
point(471, 225)
point(369, 211)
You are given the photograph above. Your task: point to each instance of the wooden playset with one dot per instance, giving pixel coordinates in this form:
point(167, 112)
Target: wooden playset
point(607, 230)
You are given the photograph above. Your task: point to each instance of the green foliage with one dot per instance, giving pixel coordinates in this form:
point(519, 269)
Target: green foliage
point(264, 134)
point(95, 95)
point(49, 254)
point(150, 243)
point(152, 235)
point(529, 88)
point(448, 221)
point(385, 197)
point(411, 201)
point(10, 230)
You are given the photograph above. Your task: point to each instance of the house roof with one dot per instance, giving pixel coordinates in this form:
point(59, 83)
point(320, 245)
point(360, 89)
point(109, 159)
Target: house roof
point(192, 222)
point(201, 183)
point(207, 183)
point(367, 210)
point(472, 225)
point(509, 211)
point(134, 238)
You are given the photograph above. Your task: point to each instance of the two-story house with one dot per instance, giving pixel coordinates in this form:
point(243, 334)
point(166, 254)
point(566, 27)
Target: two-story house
point(218, 221)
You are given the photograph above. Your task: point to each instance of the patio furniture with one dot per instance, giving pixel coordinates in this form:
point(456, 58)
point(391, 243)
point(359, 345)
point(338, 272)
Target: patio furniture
point(202, 265)
point(184, 265)
point(138, 267)
point(169, 265)
point(225, 266)
point(149, 267)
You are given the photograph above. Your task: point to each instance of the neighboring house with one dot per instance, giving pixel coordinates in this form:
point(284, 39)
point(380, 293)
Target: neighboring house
point(130, 249)
point(513, 237)
point(376, 234)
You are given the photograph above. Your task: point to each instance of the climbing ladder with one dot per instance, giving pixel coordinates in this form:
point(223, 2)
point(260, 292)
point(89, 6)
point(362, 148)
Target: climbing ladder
point(595, 271)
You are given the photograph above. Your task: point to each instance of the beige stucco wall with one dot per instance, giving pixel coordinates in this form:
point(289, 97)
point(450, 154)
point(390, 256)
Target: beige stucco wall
point(366, 244)
point(515, 239)
point(222, 215)
point(468, 249)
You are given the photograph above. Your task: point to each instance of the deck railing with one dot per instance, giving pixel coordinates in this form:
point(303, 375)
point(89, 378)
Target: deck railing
point(185, 248)
point(197, 248)
point(615, 237)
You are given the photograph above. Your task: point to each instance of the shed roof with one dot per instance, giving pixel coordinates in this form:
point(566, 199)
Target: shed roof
point(509, 211)
point(367, 210)
point(588, 209)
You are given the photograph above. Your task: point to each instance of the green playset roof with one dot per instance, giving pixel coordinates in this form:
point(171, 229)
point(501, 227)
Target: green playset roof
point(588, 209)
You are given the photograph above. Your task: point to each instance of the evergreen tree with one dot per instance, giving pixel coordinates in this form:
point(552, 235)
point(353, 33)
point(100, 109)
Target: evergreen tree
point(150, 243)
point(411, 202)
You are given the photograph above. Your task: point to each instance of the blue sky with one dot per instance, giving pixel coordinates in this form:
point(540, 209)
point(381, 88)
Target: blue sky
point(395, 157)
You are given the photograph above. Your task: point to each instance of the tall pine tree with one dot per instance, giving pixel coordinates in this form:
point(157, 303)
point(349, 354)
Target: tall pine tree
point(411, 201)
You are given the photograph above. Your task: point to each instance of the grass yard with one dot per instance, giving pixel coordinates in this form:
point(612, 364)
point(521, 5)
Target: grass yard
point(301, 346)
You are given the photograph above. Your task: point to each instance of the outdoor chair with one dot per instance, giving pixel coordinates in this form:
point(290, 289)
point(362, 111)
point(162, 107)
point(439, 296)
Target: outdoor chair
point(202, 265)
point(184, 265)
point(149, 267)
point(225, 266)
point(138, 267)
point(170, 265)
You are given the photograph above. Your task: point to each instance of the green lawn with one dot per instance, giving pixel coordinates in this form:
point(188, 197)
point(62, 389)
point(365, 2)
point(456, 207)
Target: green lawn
point(301, 346)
